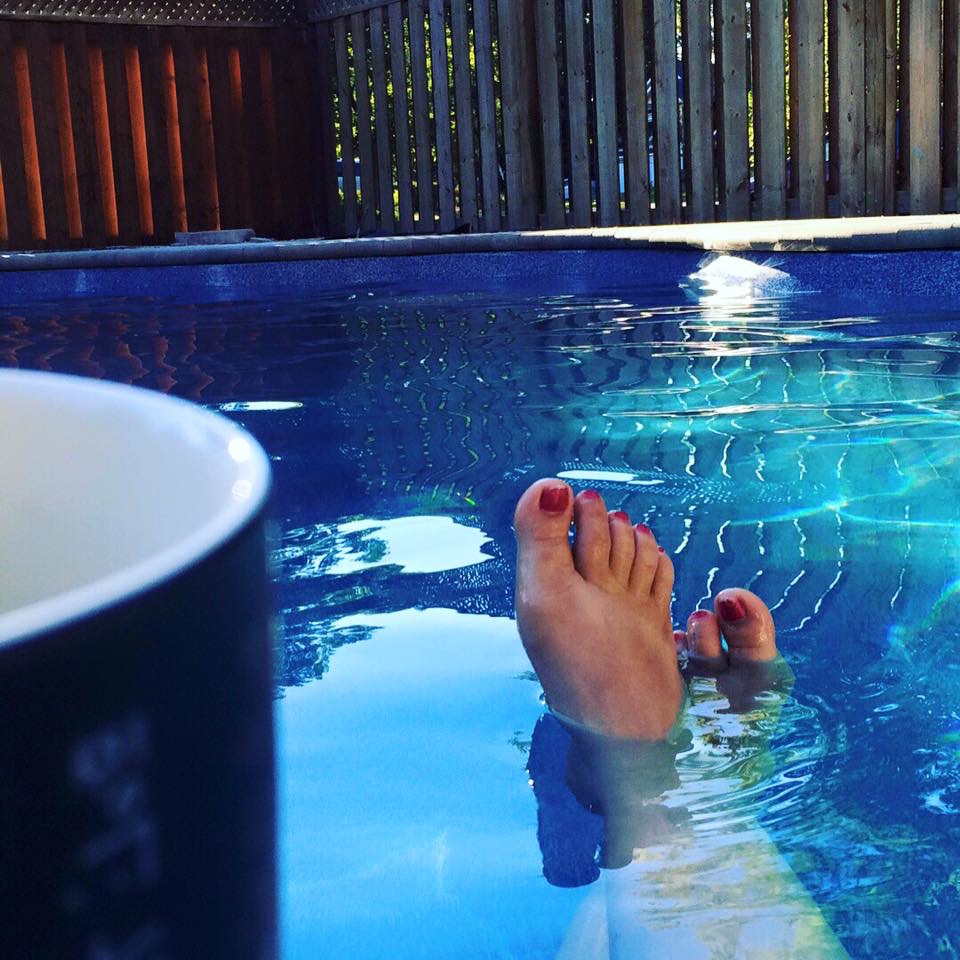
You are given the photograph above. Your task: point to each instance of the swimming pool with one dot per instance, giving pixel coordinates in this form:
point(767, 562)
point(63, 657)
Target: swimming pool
point(799, 437)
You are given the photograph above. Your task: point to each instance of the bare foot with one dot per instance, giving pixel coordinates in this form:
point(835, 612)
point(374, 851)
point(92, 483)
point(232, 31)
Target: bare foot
point(595, 619)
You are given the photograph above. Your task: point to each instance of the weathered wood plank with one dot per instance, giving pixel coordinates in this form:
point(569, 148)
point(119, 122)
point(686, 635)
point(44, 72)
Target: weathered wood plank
point(381, 122)
point(426, 222)
point(581, 202)
point(486, 116)
point(734, 149)
point(511, 91)
point(19, 228)
point(155, 128)
point(605, 100)
point(84, 135)
point(368, 173)
point(112, 46)
point(923, 40)
point(874, 107)
point(208, 159)
point(463, 104)
point(52, 179)
point(849, 107)
point(890, 121)
point(769, 108)
point(666, 124)
point(808, 186)
point(138, 124)
point(401, 120)
point(637, 158)
point(699, 178)
point(238, 110)
point(345, 115)
point(548, 80)
point(441, 115)
point(298, 113)
point(330, 210)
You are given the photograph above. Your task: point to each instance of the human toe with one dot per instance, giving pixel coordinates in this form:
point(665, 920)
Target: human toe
point(591, 544)
point(542, 523)
point(703, 641)
point(746, 624)
point(622, 546)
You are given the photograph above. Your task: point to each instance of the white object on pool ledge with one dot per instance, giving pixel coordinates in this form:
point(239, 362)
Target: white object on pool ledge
point(608, 476)
point(241, 406)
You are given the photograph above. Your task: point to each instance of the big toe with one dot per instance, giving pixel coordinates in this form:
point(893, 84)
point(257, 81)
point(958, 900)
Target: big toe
point(747, 625)
point(542, 525)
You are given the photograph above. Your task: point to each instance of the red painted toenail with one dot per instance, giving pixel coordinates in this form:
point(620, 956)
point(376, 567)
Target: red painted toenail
point(643, 528)
point(589, 495)
point(554, 499)
point(661, 550)
point(732, 610)
point(620, 515)
point(699, 614)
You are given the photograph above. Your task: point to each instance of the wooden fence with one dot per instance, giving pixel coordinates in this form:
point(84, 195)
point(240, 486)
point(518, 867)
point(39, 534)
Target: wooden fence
point(443, 115)
point(118, 133)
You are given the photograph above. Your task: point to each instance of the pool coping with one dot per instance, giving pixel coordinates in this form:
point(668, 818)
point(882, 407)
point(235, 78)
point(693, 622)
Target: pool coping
point(850, 234)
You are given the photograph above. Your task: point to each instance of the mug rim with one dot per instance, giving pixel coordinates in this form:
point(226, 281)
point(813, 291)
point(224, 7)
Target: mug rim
point(252, 474)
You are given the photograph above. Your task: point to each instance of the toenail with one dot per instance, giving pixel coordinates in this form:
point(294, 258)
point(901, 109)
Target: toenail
point(699, 615)
point(619, 515)
point(554, 499)
point(732, 609)
point(589, 495)
point(661, 550)
point(644, 529)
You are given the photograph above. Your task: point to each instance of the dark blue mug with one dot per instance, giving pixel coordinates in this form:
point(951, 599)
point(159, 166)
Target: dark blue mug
point(136, 736)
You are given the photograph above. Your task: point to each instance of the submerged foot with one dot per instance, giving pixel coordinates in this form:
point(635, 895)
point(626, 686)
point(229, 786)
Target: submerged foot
point(595, 618)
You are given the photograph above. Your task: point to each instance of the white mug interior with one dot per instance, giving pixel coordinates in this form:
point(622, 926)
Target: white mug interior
point(107, 490)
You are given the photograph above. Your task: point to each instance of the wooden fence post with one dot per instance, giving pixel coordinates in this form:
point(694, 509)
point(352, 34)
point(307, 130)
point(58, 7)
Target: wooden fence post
point(666, 129)
point(807, 162)
point(769, 108)
point(923, 103)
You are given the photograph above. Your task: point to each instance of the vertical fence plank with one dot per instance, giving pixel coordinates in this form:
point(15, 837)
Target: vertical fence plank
point(52, 180)
point(769, 108)
point(666, 129)
point(890, 122)
point(255, 134)
point(951, 50)
point(732, 71)
point(509, 45)
point(238, 108)
point(441, 115)
point(112, 45)
point(848, 151)
point(368, 177)
point(319, 50)
point(64, 122)
point(637, 158)
point(463, 101)
point(421, 117)
point(923, 40)
point(605, 100)
point(548, 82)
point(486, 115)
point(345, 114)
point(84, 138)
point(698, 111)
point(185, 69)
point(152, 78)
point(401, 121)
point(807, 168)
point(19, 230)
point(227, 180)
point(381, 120)
point(580, 199)
point(874, 107)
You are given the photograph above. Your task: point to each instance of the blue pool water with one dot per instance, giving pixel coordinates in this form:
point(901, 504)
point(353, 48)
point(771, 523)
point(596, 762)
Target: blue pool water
point(800, 438)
